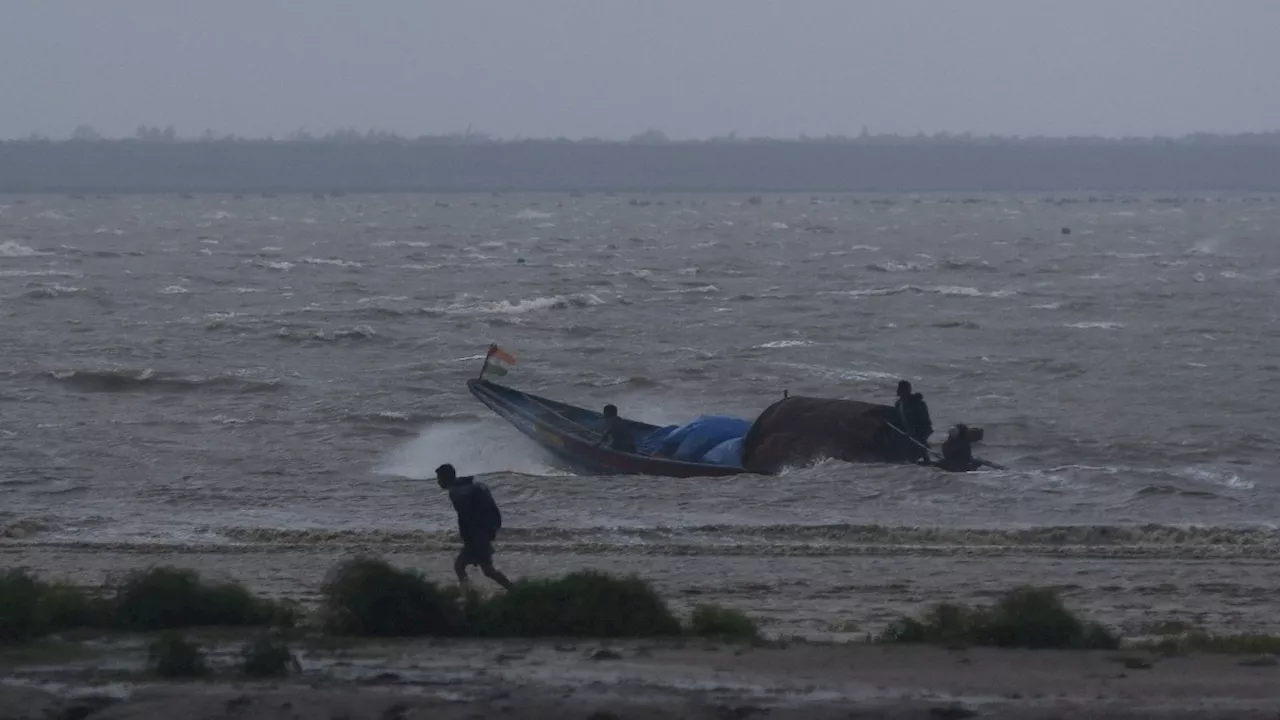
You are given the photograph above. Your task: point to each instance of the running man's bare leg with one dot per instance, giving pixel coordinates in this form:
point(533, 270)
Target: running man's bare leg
point(460, 566)
point(493, 574)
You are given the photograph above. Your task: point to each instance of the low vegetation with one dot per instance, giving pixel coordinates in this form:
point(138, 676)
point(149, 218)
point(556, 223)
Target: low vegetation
point(31, 608)
point(1025, 617)
point(1200, 641)
point(173, 656)
point(724, 623)
point(156, 599)
point(164, 598)
point(581, 604)
point(267, 657)
point(369, 597)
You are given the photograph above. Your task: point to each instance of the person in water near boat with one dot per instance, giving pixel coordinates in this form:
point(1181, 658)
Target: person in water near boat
point(616, 434)
point(478, 523)
point(957, 451)
point(911, 416)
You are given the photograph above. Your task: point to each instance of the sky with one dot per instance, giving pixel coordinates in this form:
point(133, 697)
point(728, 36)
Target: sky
point(613, 68)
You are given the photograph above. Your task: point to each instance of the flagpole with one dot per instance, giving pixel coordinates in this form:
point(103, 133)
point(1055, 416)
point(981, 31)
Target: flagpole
point(487, 355)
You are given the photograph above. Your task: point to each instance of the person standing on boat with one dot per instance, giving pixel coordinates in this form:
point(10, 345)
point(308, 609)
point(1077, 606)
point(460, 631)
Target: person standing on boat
point(911, 416)
point(478, 523)
point(616, 434)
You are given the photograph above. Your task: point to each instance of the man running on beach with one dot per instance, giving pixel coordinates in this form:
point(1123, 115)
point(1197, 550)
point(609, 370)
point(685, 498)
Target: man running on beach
point(478, 522)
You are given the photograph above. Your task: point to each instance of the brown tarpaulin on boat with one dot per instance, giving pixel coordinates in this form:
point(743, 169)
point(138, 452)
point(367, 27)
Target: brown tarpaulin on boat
point(799, 430)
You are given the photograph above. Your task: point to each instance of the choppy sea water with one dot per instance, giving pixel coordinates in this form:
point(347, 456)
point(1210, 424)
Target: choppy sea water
point(235, 374)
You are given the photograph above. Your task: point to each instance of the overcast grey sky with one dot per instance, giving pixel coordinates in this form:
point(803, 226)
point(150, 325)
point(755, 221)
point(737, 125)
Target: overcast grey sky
point(611, 68)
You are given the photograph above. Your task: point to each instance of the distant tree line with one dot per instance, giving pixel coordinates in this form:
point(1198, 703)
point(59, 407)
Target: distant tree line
point(159, 160)
point(351, 135)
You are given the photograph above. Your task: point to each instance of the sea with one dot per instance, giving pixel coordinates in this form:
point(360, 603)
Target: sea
point(246, 375)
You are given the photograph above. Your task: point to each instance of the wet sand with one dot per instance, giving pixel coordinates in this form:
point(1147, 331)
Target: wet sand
point(564, 680)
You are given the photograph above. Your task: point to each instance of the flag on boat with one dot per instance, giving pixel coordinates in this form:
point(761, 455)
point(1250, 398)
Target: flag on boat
point(498, 360)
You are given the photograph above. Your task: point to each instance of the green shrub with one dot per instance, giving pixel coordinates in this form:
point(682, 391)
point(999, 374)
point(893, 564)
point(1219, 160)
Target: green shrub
point(1025, 617)
point(164, 597)
point(173, 656)
point(19, 606)
point(369, 597)
point(31, 608)
point(715, 621)
point(266, 657)
point(582, 604)
point(64, 607)
point(1199, 641)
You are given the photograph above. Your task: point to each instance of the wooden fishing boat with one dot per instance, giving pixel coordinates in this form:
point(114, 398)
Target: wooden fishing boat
point(572, 434)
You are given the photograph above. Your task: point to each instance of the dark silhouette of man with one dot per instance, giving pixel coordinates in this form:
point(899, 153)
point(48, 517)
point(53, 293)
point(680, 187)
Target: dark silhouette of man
point(478, 523)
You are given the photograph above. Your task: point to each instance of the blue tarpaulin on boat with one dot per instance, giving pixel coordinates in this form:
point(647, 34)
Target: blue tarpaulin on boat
point(691, 441)
point(727, 453)
point(648, 444)
point(694, 440)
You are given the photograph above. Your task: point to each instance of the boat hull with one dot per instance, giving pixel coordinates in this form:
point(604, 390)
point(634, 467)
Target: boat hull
point(570, 433)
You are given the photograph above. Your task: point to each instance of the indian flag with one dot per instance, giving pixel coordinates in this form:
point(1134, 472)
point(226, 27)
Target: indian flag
point(498, 360)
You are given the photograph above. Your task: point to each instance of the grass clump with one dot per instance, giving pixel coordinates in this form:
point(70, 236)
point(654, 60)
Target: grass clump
point(581, 604)
point(369, 597)
point(31, 608)
point(719, 622)
point(163, 598)
point(19, 605)
point(1200, 641)
point(1026, 617)
point(267, 657)
point(173, 656)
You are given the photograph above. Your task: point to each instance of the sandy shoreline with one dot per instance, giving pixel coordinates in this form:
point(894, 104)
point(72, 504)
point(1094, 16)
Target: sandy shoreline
point(695, 679)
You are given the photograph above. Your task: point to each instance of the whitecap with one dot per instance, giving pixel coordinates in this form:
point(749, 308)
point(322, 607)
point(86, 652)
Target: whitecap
point(174, 290)
point(528, 214)
point(279, 265)
point(971, 292)
point(1096, 325)
point(785, 344)
point(520, 307)
point(10, 248)
point(331, 261)
point(894, 266)
point(52, 291)
point(40, 273)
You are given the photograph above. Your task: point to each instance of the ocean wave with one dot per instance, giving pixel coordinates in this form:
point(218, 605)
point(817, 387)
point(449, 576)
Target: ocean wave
point(337, 262)
point(359, 332)
point(785, 344)
point(52, 291)
point(148, 380)
point(893, 266)
point(520, 307)
point(528, 214)
point(1096, 325)
point(41, 273)
point(817, 539)
point(951, 290)
point(14, 249)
